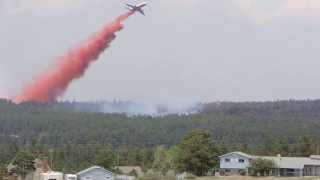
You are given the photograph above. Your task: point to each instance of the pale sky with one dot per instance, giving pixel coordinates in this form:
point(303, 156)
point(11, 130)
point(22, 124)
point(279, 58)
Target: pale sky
point(182, 51)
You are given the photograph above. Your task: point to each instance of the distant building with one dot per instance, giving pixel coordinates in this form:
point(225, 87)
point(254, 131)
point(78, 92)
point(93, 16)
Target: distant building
point(125, 177)
point(70, 177)
point(181, 176)
point(237, 163)
point(234, 163)
point(51, 176)
point(42, 171)
point(95, 173)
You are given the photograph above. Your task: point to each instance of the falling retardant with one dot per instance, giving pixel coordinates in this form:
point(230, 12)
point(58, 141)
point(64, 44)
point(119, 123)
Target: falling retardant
point(53, 83)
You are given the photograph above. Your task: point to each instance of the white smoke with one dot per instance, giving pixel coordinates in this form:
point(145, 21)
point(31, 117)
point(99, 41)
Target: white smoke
point(149, 109)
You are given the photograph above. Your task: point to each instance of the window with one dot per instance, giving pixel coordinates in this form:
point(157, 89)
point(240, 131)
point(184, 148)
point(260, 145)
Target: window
point(241, 160)
point(228, 160)
point(292, 170)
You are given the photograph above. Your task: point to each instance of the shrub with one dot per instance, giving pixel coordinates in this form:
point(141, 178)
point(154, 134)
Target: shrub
point(261, 167)
point(156, 176)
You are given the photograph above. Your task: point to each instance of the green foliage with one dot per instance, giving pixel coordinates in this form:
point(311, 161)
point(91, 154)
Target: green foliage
point(261, 167)
point(133, 173)
point(190, 176)
point(198, 153)
point(156, 176)
point(161, 161)
point(106, 159)
point(117, 171)
point(174, 157)
point(3, 172)
point(73, 158)
point(56, 124)
point(24, 163)
point(306, 146)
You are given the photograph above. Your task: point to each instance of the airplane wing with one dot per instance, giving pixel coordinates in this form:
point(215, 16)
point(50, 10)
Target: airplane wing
point(142, 12)
point(129, 5)
point(141, 5)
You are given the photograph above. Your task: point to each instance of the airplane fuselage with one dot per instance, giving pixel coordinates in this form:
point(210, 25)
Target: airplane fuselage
point(137, 8)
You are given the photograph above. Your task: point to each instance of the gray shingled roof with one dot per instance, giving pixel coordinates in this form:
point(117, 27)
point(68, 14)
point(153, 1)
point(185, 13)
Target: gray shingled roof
point(283, 162)
point(316, 157)
point(238, 153)
point(93, 168)
point(291, 162)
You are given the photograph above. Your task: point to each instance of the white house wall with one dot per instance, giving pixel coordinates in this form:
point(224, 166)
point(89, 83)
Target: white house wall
point(234, 162)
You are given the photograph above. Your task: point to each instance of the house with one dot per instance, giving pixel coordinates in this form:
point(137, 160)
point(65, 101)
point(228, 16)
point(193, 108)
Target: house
point(238, 163)
point(70, 177)
point(125, 177)
point(181, 176)
point(51, 175)
point(95, 173)
point(295, 166)
point(234, 163)
point(42, 172)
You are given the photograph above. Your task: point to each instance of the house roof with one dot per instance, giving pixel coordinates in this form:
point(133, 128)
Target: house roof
point(283, 162)
point(317, 157)
point(291, 162)
point(238, 153)
point(94, 168)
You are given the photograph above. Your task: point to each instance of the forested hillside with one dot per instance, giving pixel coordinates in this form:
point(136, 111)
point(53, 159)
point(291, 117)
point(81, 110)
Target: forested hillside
point(230, 123)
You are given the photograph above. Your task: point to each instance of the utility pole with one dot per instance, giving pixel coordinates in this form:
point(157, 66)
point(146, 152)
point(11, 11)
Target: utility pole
point(51, 158)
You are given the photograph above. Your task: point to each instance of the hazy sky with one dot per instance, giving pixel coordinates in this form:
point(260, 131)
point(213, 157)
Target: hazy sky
point(182, 51)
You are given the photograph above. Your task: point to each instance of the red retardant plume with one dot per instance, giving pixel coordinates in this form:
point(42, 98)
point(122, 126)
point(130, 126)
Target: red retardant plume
point(52, 84)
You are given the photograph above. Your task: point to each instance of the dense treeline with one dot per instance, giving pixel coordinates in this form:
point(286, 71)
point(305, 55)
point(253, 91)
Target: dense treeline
point(196, 153)
point(74, 158)
point(57, 124)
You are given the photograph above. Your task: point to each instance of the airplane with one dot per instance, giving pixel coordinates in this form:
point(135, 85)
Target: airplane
point(138, 7)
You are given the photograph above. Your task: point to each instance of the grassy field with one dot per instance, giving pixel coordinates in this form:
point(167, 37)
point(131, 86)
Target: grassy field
point(258, 178)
